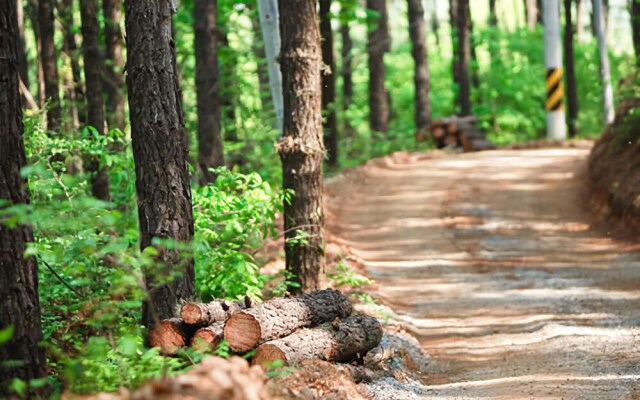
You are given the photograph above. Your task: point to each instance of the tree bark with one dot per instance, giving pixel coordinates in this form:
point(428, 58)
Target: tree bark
point(22, 44)
point(160, 152)
point(208, 338)
point(579, 14)
point(93, 77)
point(475, 77)
point(455, 60)
point(417, 32)
point(170, 335)
point(493, 17)
point(301, 148)
point(202, 314)
point(572, 91)
point(229, 92)
point(113, 83)
point(261, 61)
point(48, 58)
point(345, 70)
point(464, 57)
point(32, 11)
point(73, 92)
point(377, 45)
point(19, 305)
point(269, 23)
point(330, 122)
point(210, 153)
point(605, 68)
point(343, 341)
point(635, 28)
point(282, 316)
point(532, 13)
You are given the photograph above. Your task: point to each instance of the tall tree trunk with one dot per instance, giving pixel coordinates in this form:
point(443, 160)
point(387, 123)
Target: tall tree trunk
point(113, 83)
point(605, 69)
point(48, 58)
point(532, 13)
point(464, 55)
point(572, 90)
point(539, 5)
point(160, 151)
point(328, 83)
point(455, 59)
point(73, 92)
point(435, 25)
point(493, 16)
point(210, 154)
point(418, 35)
point(635, 28)
point(301, 148)
point(475, 76)
point(22, 355)
point(93, 77)
point(345, 71)
point(261, 61)
point(378, 43)
point(22, 53)
point(579, 23)
point(269, 22)
point(32, 11)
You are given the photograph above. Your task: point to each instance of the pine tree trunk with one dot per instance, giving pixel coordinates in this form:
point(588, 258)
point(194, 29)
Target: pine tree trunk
point(635, 28)
point(32, 11)
point(475, 77)
point(455, 60)
point(73, 92)
point(19, 305)
point(228, 78)
point(579, 14)
point(345, 71)
point(328, 83)
point(532, 13)
point(113, 83)
point(464, 55)
point(93, 77)
point(210, 153)
point(572, 91)
point(417, 32)
point(22, 53)
point(261, 61)
point(160, 151)
point(605, 68)
point(301, 148)
point(48, 58)
point(269, 24)
point(493, 17)
point(378, 43)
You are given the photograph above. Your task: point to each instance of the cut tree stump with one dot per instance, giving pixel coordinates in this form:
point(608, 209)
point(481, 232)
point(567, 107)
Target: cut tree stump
point(209, 337)
point(282, 316)
point(339, 341)
point(459, 132)
point(170, 335)
point(203, 314)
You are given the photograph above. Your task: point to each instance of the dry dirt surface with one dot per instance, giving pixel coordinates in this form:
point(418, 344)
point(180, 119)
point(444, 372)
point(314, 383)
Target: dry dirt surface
point(492, 263)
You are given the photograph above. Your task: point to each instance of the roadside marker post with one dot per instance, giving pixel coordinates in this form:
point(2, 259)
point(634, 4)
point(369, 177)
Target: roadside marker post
point(556, 125)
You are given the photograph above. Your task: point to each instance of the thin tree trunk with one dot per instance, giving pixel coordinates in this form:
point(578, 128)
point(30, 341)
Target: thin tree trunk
point(261, 61)
point(330, 122)
point(73, 92)
point(269, 22)
point(579, 23)
point(539, 5)
point(378, 43)
point(113, 83)
point(160, 151)
point(493, 17)
point(435, 25)
point(32, 11)
point(301, 148)
point(532, 13)
point(347, 80)
point(22, 356)
point(418, 35)
point(475, 77)
point(605, 69)
point(93, 77)
point(572, 91)
point(464, 55)
point(455, 59)
point(22, 53)
point(635, 28)
point(48, 58)
point(210, 153)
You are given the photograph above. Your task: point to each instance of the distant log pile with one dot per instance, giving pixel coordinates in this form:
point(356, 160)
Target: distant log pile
point(459, 132)
point(317, 325)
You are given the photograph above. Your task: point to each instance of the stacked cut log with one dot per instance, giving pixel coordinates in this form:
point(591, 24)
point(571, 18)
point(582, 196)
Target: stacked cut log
point(459, 132)
point(317, 325)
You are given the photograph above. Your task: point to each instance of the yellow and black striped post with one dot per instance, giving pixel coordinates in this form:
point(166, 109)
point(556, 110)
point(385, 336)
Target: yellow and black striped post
point(556, 126)
point(555, 90)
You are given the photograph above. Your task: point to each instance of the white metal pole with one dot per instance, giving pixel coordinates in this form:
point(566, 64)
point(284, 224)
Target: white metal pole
point(556, 126)
point(269, 23)
point(605, 68)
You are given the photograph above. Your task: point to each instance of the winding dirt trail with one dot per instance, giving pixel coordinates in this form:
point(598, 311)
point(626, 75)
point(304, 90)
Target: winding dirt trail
point(491, 262)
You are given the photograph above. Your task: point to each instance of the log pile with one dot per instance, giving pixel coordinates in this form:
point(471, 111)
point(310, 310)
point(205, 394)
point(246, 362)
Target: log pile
point(459, 132)
point(317, 325)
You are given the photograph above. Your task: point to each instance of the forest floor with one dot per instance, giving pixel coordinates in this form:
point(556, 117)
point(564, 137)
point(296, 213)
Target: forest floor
point(492, 262)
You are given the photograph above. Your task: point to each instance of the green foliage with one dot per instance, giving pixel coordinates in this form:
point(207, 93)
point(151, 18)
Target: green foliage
point(233, 217)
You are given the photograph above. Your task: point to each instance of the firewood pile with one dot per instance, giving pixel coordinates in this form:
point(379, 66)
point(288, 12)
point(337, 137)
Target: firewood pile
point(461, 133)
point(317, 325)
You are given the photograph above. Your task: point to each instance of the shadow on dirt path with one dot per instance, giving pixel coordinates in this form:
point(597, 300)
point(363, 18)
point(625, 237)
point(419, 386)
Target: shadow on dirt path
point(491, 262)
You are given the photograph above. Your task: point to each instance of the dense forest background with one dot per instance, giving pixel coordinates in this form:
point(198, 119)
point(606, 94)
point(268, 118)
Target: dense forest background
point(87, 245)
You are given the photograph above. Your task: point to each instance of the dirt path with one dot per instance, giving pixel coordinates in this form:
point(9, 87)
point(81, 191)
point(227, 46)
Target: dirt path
point(492, 264)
